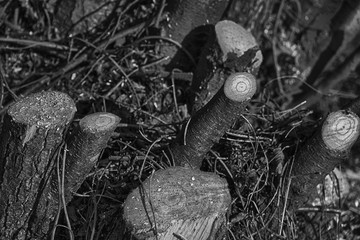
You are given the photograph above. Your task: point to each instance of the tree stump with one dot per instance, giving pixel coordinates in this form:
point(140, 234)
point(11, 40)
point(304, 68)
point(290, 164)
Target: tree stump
point(33, 130)
point(178, 202)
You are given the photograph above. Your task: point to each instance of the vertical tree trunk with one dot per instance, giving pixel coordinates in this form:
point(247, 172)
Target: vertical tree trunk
point(33, 130)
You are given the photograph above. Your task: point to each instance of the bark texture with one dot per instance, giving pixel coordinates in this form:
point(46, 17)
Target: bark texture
point(322, 153)
point(84, 147)
point(178, 201)
point(210, 123)
point(231, 48)
point(32, 133)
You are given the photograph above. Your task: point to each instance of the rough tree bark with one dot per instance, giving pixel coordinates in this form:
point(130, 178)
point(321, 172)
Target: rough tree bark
point(33, 130)
point(210, 123)
point(229, 49)
point(320, 154)
point(84, 146)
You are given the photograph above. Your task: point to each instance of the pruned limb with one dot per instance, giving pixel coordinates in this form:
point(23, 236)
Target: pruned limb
point(32, 133)
point(210, 123)
point(231, 49)
point(178, 201)
point(84, 147)
point(322, 153)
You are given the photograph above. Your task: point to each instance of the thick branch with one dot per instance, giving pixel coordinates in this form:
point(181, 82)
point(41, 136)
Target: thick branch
point(84, 147)
point(322, 153)
point(32, 132)
point(210, 123)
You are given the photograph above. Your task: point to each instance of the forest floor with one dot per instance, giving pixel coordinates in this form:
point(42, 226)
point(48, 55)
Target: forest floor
point(111, 66)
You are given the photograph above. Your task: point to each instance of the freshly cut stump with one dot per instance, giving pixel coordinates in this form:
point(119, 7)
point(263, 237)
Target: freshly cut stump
point(84, 147)
point(33, 130)
point(326, 149)
point(178, 201)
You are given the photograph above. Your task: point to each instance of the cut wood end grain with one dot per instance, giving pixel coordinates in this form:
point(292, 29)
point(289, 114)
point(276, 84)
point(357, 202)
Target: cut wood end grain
point(173, 196)
point(199, 228)
point(100, 122)
point(43, 109)
point(233, 38)
point(340, 130)
point(240, 87)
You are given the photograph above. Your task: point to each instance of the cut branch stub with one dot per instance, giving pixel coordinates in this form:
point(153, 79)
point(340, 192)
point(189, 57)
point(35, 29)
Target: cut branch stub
point(178, 200)
point(84, 147)
point(322, 153)
point(208, 124)
point(231, 49)
point(32, 133)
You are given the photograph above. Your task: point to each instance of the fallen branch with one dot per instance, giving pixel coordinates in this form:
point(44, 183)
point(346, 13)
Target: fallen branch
point(319, 94)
